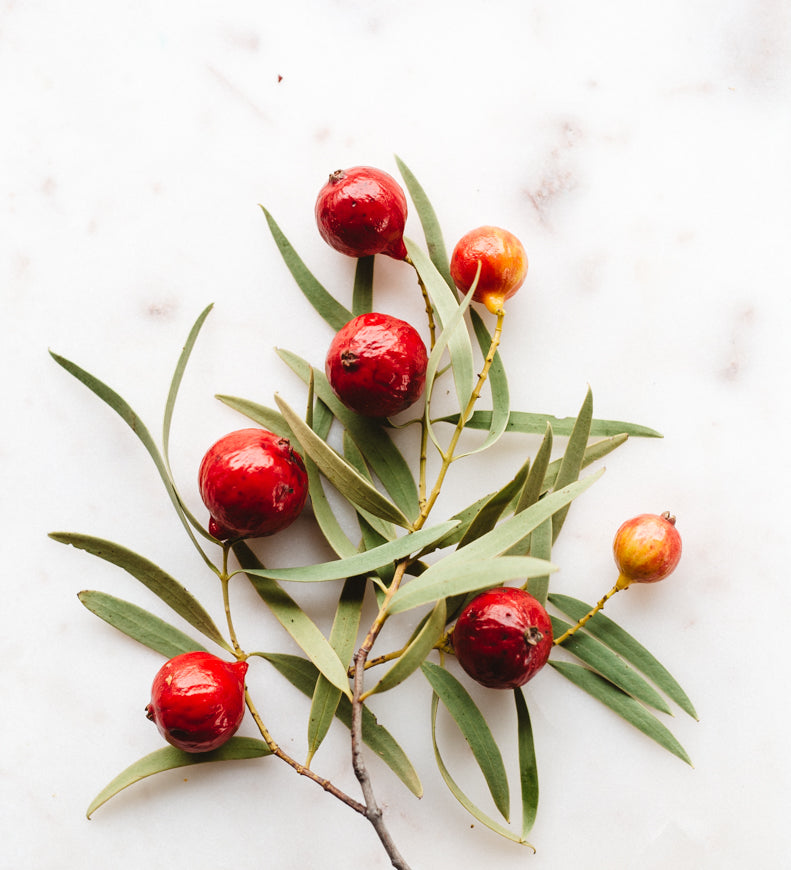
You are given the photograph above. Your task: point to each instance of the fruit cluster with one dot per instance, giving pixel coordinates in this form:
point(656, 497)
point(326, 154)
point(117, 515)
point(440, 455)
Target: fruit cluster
point(483, 574)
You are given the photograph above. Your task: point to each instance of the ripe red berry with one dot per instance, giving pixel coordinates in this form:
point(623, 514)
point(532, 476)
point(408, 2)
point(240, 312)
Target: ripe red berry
point(503, 265)
point(376, 365)
point(362, 211)
point(503, 638)
point(647, 548)
point(253, 483)
point(197, 701)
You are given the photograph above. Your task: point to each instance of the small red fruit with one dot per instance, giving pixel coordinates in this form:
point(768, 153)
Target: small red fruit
point(197, 701)
point(503, 265)
point(503, 638)
point(362, 211)
point(253, 483)
point(376, 365)
point(647, 548)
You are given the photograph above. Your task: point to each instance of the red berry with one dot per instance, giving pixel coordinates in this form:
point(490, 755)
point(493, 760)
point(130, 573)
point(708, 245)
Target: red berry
point(503, 638)
point(647, 548)
point(503, 265)
point(197, 701)
point(362, 211)
point(376, 365)
point(253, 483)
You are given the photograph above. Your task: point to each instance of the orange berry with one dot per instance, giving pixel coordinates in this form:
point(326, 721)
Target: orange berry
point(503, 265)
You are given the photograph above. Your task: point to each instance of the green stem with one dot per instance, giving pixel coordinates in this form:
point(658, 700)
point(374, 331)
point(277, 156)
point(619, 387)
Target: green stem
point(622, 583)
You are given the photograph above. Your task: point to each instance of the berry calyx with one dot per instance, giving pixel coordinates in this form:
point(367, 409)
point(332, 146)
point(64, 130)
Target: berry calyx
point(197, 701)
point(253, 483)
point(376, 365)
point(503, 638)
point(362, 211)
point(647, 548)
point(503, 263)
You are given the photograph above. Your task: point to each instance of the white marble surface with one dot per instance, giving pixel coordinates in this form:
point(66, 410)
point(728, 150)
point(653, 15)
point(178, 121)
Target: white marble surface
point(641, 153)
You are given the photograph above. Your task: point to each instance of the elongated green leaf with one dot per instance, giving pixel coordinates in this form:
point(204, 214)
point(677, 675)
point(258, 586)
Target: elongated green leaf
point(151, 576)
point(490, 512)
point(443, 580)
point(535, 424)
point(371, 438)
point(498, 384)
point(605, 662)
point(528, 768)
point(170, 758)
point(415, 653)
point(446, 305)
point(351, 453)
point(342, 639)
point(266, 417)
point(571, 463)
point(303, 675)
point(362, 294)
point(125, 412)
point(514, 529)
point(593, 452)
point(360, 563)
point(335, 314)
point(540, 548)
point(343, 477)
point(139, 624)
point(475, 731)
point(621, 642)
point(428, 220)
point(295, 621)
point(460, 796)
point(534, 484)
point(622, 704)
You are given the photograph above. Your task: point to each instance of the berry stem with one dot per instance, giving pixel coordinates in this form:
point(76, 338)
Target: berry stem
point(621, 583)
point(429, 307)
point(225, 578)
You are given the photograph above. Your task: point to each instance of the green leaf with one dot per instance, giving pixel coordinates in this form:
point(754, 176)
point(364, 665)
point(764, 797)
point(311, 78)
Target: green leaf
point(516, 528)
point(622, 704)
point(362, 294)
point(446, 306)
point(303, 675)
point(475, 731)
point(360, 563)
point(352, 455)
point(460, 796)
point(341, 475)
point(415, 653)
point(528, 769)
point(295, 621)
point(540, 548)
point(605, 662)
point(621, 642)
point(428, 220)
point(534, 485)
point(152, 577)
point(266, 417)
point(571, 464)
point(492, 509)
point(335, 314)
point(371, 438)
point(443, 580)
point(125, 412)
point(170, 758)
point(342, 639)
point(535, 424)
point(139, 624)
point(593, 452)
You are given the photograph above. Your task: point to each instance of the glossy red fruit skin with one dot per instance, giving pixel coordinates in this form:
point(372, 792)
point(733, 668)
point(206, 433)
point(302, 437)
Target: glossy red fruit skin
point(376, 365)
point(362, 211)
point(647, 548)
point(503, 265)
point(197, 701)
point(253, 484)
point(503, 638)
